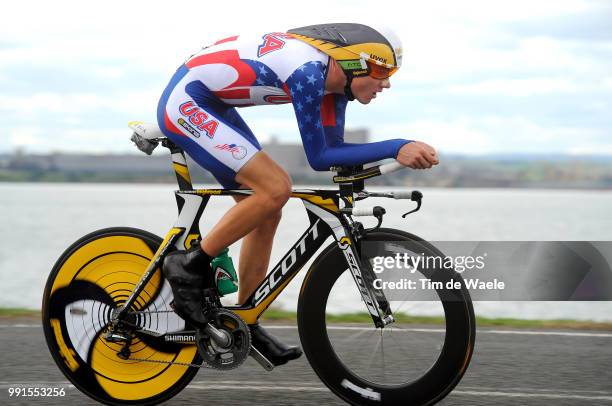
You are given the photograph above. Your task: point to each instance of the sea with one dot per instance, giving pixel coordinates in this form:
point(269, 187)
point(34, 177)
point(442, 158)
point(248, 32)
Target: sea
point(40, 220)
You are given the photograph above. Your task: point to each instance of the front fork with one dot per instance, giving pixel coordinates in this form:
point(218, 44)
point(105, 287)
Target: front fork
point(377, 304)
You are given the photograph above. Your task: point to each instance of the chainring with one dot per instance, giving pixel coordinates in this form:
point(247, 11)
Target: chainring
point(229, 357)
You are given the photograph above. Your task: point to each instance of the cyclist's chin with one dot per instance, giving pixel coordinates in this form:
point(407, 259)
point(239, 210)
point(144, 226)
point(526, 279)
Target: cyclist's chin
point(364, 99)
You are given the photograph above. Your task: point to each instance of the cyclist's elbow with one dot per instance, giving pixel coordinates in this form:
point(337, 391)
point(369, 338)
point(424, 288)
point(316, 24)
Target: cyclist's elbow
point(318, 164)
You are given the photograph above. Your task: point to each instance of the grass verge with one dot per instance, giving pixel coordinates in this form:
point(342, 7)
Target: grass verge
point(283, 315)
point(18, 312)
point(273, 314)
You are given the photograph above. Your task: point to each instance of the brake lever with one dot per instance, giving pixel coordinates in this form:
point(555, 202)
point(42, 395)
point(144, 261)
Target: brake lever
point(380, 220)
point(417, 197)
point(379, 212)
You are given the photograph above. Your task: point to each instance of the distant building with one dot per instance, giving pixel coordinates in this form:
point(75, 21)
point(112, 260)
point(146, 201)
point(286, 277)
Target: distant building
point(90, 163)
point(290, 156)
point(358, 136)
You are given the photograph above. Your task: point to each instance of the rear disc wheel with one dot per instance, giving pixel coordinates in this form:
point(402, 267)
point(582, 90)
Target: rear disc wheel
point(93, 278)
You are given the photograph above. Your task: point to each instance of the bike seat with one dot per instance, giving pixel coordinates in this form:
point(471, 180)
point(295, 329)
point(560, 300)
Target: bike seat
point(148, 131)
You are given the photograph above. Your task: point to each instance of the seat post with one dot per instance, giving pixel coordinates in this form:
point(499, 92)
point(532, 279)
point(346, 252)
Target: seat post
point(179, 163)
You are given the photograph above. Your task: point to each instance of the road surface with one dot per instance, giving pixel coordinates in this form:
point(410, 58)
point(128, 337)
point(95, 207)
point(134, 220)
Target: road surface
point(509, 367)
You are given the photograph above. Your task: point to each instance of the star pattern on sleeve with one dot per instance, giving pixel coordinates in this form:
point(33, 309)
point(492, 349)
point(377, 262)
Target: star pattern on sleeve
point(306, 87)
point(324, 144)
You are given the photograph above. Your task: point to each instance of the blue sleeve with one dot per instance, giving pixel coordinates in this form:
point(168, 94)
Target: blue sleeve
point(321, 122)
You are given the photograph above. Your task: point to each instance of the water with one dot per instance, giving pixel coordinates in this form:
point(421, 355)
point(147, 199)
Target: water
point(39, 221)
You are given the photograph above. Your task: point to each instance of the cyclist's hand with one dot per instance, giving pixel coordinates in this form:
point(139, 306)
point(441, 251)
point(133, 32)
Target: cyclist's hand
point(417, 155)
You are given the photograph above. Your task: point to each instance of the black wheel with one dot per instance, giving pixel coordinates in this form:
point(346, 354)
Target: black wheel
point(91, 279)
point(414, 361)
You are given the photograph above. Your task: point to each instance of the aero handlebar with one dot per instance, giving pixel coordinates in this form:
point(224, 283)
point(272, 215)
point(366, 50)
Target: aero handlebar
point(368, 173)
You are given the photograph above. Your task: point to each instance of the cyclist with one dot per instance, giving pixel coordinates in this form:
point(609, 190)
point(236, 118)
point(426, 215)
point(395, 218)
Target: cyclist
point(318, 69)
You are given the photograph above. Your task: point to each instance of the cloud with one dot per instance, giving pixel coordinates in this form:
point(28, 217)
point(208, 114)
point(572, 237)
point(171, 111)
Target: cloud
point(590, 23)
point(42, 140)
point(24, 137)
point(453, 136)
point(517, 87)
point(590, 149)
point(476, 73)
point(134, 102)
point(495, 134)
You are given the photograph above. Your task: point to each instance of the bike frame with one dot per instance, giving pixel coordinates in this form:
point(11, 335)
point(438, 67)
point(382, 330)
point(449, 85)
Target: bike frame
point(326, 219)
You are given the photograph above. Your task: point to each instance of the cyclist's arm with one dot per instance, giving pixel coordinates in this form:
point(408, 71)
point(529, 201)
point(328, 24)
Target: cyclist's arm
point(321, 122)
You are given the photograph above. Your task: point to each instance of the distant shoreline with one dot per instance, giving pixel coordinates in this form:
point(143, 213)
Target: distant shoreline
point(319, 182)
point(454, 171)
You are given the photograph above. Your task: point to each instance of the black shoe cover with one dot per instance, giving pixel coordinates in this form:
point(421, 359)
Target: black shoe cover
point(276, 352)
point(187, 273)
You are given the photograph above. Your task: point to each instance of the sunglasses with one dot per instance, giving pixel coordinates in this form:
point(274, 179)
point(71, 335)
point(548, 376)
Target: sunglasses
point(378, 71)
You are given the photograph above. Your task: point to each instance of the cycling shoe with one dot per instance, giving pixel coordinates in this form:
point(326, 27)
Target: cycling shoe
point(275, 351)
point(188, 273)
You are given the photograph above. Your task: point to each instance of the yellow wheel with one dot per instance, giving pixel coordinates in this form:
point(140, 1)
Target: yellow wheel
point(91, 279)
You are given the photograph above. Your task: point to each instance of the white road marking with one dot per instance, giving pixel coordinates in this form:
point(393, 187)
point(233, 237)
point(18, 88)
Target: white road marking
point(546, 333)
point(240, 386)
point(528, 395)
point(302, 387)
point(523, 389)
point(413, 330)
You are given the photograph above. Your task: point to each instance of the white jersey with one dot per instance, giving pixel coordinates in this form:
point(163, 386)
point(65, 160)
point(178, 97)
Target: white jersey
point(252, 70)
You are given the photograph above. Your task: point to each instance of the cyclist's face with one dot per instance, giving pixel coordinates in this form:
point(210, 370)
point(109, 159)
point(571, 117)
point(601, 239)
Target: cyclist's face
point(365, 88)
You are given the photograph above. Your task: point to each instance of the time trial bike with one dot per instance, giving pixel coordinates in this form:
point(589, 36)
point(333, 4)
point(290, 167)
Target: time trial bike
point(109, 322)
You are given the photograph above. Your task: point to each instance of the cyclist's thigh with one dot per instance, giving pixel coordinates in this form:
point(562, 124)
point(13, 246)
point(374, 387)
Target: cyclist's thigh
point(263, 174)
point(232, 117)
point(201, 130)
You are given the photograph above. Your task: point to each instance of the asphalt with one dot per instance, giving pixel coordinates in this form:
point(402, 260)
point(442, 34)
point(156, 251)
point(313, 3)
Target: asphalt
point(509, 367)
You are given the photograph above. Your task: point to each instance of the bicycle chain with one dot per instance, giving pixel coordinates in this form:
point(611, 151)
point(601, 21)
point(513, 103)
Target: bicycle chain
point(156, 361)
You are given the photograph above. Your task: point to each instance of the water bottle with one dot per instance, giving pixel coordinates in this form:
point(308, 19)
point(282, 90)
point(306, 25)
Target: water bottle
point(226, 279)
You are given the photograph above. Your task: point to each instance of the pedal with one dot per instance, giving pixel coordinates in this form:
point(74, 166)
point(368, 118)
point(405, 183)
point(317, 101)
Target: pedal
point(261, 359)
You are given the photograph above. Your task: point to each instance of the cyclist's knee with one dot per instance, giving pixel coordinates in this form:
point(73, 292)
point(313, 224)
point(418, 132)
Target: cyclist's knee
point(276, 195)
point(271, 183)
point(273, 219)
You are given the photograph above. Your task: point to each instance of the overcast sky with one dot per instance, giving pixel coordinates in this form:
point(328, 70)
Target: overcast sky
point(478, 76)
